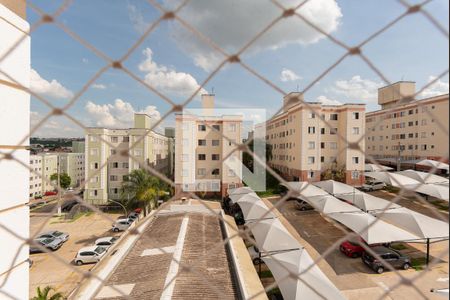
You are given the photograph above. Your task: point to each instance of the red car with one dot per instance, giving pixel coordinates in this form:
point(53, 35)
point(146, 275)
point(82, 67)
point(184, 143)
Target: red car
point(352, 249)
point(51, 193)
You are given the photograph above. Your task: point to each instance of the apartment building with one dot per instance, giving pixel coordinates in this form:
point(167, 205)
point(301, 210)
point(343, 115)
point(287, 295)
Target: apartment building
point(73, 165)
point(78, 147)
point(106, 166)
point(303, 145)
point(200, 147)
point(45, 164)
point(407, 129)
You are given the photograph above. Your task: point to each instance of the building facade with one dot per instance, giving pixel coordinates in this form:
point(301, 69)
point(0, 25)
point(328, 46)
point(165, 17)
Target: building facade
point(303, 146)
point(202, 141)
point(73, 165)
point(106, 166)
point(78, 147)
point(408, 129)
point(44, 166)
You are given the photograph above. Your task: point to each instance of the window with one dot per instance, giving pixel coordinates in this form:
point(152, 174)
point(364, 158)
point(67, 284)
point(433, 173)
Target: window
point(94, 166)
point(216, 127)
point(423, 135)
point(322, 159)
point(202, 142)
point(411, 112)
point(201, 172)
point(333, 145)
point(115, 165)
point(424, 122)
point(334, 117)
point(232, 127)
point(94, 179)
point(311, 130)
point(202, 157)
point(215, 172)
point(355, 116)
point(311, 145)
point(126, 139)
point(355, 174)
point(322, 131)
point(201, 127)
point(355, 160)
point(310, 174)
point(93, 138)
point(94, 151)
point(312, 115)
point(113, 178)
point(113, 151)
point(114, 139)
point(231, 173)
point(216, 143)
point(215, 157)
point(322, 145)
point(423, 147)
point(356, 130)
point(185, 173)
point(333, 131)
point(125, 165)
point(311, 160)
point(93, 193)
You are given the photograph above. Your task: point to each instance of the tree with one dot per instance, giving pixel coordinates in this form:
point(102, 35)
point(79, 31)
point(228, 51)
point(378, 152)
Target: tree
point(45, 294)
point(140, 187)
point(64, 179)
point(334, 172)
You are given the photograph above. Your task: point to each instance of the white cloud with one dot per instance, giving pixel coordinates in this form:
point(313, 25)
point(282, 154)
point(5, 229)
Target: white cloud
point(232, 25)
point(438, 88)
point(167, 80)
point(357, 89)
point(117, 115)
point(137, 19)
point(326, 101)
point(52, 89)
point(56, 126)
point(289, 75)
point(98, 86)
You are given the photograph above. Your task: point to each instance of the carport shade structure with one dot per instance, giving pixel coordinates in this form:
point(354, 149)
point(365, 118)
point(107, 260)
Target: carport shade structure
point(329, 204)
point(253, 208)
point(396, 180)
point(312, 285)
point(241, 190)
point(376, 168)
point(433, 164)
point(367, 202)
point(304, 189)
point(336, 187)
point(424, 177)
point(430, 229)
point(271, 236)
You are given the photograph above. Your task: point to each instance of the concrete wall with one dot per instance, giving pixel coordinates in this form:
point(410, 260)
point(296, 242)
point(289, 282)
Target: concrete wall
point(15, 178)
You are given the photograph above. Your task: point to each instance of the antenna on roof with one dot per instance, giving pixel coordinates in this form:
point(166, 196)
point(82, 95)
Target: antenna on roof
point(212, 91)
point(298, 88)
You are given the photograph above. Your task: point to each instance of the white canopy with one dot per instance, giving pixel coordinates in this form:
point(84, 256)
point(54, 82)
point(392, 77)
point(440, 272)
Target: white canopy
point(414, 222)
point(329, 204)
point(312, 285)
point(434, 190)
point(241, 190)
point(373, 231)
point(376, 168)
point(368, 202)
point(305, 189)
point(424, 177)
point(394, 179)
point(336, 188)
point(235, 197)
point(271, 235)
point(254, 208)
point(433, 164)
point(441, 292)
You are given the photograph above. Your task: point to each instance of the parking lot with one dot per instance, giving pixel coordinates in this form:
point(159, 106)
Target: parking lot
point(46, 270)
point(351, 276)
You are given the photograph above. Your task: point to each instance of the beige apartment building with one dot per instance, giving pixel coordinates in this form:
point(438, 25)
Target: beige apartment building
point(405, 128)
point(200, 147)
point(303, 146)
point(106, 167)
point(45, 164)
point(73, 165)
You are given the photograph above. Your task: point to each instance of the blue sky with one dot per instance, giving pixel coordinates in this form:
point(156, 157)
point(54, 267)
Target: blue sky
point(176, 62)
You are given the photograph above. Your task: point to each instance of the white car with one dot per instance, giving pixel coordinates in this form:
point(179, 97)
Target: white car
point(121, 225)
point(106, 242)
point(373, 186)
point(89, 255)
point(254, 254)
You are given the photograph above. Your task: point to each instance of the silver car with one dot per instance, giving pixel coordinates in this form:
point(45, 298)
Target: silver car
point(106, 242)
point(49, 243)
point(373, 186)
point(121, 225)
point(89, 255)
point(55, 235)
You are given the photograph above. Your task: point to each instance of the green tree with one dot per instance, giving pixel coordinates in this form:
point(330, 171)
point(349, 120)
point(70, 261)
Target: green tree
point(64, 179)
point(140, 187)
point(45, 294)
point(334, 172)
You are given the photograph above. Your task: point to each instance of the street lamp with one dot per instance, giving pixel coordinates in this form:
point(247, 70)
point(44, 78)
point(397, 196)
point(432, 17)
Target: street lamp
point(116, 202)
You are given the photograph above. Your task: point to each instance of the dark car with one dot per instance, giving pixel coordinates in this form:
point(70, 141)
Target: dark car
point(68, 205)
point(302, 205)
point(390, 256)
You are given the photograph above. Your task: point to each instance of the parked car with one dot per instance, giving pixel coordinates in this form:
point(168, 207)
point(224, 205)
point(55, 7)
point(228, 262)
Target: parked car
point(390, 256)
point(38, 197)
point(283, 191)
point(51, 193)
point(91, 254)
point(121, 225)
point(68, 205)
point(373, 186)
point(354, 248)
point(133, 216)
point(254, 255)
point(302, 205)
point(138, 210)
point(106, 242)
point(49, 243)
point(56, 235)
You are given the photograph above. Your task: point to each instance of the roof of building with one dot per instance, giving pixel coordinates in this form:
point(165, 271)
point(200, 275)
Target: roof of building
point(411, 103)
point(148, 267)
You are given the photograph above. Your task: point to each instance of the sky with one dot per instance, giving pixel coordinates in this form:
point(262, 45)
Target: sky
point(174, 61)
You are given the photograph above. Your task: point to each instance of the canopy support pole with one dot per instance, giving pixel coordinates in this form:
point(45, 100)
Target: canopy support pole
point(428, 251)
point(259, 264)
